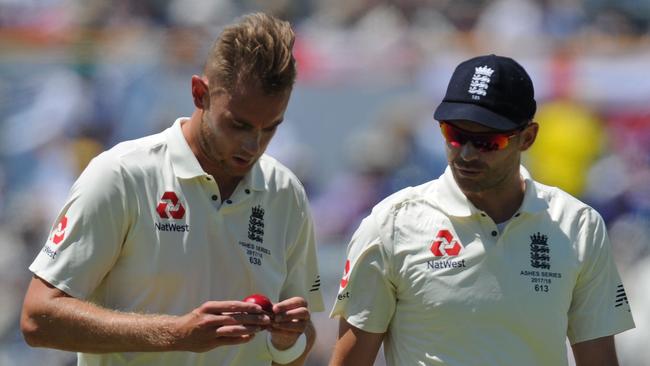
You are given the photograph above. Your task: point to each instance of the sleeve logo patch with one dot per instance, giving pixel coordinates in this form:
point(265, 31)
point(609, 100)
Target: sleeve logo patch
point(59, 231)
point(346, 274)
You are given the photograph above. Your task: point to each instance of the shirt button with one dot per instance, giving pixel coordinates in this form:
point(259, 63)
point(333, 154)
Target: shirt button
point(215, 197)
point(248, 191)
point(229, 201)
point(494, 233)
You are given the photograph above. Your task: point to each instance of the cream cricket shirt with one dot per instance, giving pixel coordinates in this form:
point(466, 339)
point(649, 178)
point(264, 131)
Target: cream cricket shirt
point(144, 230)
point(448, 288)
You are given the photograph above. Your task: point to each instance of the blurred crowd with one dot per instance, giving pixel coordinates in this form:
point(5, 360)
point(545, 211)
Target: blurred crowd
point(76, 77)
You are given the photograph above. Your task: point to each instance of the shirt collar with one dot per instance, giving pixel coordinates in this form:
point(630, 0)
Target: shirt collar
point(454, 202)
point(255, 178)
point(451, 198)
point(186, 165)
point(533, 199)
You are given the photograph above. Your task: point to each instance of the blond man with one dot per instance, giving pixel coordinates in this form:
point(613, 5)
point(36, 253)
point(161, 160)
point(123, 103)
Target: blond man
point(162, 237)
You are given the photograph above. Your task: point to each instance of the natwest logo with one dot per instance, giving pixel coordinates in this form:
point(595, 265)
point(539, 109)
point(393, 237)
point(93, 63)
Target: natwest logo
point(445, 244)
point(346, 274)
point(170, 206)
point(59, 231)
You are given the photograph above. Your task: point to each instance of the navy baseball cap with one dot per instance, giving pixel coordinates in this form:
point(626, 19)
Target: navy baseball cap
point(494, 91)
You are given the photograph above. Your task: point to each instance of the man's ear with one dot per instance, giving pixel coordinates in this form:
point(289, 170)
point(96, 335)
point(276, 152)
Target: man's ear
point(200, 92)
point(528, 136)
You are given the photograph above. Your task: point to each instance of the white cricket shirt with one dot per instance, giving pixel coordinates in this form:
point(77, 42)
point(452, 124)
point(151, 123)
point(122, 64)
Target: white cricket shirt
point(436, 275)
point(144, 230)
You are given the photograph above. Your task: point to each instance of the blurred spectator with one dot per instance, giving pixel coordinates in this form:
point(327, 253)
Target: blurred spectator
point(348, 197)
point(514, 23)
point(619, 186)
point(392, 153)
point(570, 138)
point(287, 147)
point(142, 96)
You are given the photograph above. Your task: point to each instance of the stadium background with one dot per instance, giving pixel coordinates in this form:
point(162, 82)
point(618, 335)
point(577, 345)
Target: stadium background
point(77, 76)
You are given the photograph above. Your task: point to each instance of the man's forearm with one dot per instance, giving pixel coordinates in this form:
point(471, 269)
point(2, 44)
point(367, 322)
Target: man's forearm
point(74, 325)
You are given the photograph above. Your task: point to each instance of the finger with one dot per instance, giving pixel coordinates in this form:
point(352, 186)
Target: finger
point(299, 314)
point(231, 341)
point(297, 326)
point(219, 307)
point(283, 333)
point(252, 319)
point(240, 319)
point(237, 330)
point(288, 304)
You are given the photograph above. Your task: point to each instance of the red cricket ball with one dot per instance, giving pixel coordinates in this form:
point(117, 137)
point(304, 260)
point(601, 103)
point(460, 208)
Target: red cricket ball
point(262, 301)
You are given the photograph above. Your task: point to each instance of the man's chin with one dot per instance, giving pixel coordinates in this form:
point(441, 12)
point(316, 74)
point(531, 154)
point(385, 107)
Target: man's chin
point(473, 185)
point(239, 170)
point(470, 187)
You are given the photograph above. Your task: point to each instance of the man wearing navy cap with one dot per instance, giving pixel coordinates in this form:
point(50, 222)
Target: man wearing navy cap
point(484, 265)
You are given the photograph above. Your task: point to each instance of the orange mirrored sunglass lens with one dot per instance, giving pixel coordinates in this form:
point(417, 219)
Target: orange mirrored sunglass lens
point(482, 141)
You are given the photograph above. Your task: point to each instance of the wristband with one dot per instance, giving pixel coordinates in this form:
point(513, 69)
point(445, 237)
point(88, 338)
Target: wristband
point(289, 354)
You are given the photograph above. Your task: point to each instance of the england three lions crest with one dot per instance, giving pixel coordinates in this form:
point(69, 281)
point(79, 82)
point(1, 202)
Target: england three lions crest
point(256, 224)
point(539, 251)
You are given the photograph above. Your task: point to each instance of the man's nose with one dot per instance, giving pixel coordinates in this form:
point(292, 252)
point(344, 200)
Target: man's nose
point(469, 152)
point(251, 143)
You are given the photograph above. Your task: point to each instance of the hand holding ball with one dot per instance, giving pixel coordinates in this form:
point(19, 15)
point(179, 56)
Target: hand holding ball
point(286, 355)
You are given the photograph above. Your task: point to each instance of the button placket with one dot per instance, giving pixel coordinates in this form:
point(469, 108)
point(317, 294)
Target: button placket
point(488, 227)
point(238, 197)
point(213, 190)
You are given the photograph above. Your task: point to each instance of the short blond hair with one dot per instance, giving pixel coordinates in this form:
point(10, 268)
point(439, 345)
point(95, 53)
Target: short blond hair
point(258, 48)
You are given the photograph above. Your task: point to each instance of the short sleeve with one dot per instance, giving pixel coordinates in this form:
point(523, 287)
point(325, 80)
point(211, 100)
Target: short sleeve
point(303, 277)
point(366, 296)
point(599, 306)
point(86, 240)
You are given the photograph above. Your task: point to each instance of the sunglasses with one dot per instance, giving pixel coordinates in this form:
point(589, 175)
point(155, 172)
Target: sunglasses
point(483, 141)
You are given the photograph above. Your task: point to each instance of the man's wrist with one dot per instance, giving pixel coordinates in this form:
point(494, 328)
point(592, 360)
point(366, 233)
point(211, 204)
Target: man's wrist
point(287, 355)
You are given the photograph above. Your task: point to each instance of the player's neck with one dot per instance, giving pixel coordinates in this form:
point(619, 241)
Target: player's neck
point(225, 182)
point(226, 186)
point(502, 202)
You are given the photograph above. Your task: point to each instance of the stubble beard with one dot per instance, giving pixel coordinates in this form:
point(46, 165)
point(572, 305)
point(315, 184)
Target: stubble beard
point(215, 159)
point(489, 180)
point(207, 140)
point(493, 180)
point(477, 186)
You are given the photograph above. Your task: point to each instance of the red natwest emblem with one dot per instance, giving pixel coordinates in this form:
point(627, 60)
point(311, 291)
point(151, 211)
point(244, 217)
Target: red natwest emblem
point(346, 274)
point(445, 243)
point(59, 232)
point(170, 206)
